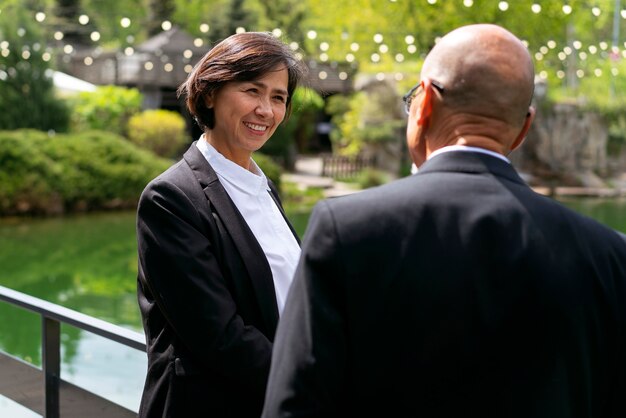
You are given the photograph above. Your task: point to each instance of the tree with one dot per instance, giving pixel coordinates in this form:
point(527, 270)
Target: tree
point(26, 86)
point(159, 11)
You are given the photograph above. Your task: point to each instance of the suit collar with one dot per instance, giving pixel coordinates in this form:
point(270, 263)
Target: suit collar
point(251, 252)
point(470, 162)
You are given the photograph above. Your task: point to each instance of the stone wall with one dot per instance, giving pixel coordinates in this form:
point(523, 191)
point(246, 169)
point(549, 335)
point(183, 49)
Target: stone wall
point(566, 145)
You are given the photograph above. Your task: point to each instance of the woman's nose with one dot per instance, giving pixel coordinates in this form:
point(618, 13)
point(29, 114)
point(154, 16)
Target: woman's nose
point(264, 107)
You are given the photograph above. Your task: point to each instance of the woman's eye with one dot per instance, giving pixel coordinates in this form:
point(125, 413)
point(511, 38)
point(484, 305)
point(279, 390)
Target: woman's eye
point(280, 99)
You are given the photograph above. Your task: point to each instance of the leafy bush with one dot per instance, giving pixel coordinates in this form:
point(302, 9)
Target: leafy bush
point(107, 109)
point(365, 118)
point(42, 174)
point(161, 131)
point(294, 135)
point(272, 170)
point(371, 177)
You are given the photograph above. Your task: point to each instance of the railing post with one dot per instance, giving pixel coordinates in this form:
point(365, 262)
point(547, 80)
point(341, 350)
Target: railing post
point(51, 363)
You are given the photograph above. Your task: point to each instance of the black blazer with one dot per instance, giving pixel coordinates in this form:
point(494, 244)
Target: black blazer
point(454, 292)
point(206, 296)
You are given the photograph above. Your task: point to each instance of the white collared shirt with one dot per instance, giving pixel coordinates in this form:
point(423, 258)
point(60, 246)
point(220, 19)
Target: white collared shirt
point(250, 193)
point(465, 148)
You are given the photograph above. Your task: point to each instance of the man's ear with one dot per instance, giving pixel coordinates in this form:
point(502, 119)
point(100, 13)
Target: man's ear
point(425, 108)
point(530, 116)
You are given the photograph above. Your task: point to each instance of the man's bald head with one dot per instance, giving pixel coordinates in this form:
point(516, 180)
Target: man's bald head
point(485, 70)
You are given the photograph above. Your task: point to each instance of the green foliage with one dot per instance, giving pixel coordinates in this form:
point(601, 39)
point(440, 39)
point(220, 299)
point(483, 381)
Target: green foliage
point(53, 174)
point(108, 109)
point(269, 167)
point(161, 131)
point(300, 200)
point(368, 117)
point(371, 177)
point(27, 97)
point(296, 131)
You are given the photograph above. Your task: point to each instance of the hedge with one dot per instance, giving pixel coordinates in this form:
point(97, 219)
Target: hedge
point(43, 174)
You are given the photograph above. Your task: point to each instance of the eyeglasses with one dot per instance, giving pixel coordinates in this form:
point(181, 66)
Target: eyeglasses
point(408, 98)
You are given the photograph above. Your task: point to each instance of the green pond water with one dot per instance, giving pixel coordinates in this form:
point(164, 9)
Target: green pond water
point(88, 263)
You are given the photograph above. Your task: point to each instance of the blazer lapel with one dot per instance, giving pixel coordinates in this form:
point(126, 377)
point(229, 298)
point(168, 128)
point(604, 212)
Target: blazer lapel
point(250, 251)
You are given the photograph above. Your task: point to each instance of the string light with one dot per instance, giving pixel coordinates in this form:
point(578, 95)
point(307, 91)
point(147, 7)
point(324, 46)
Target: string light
point(166, 25)
point(536, 8)
point(503, 6)
point(468, 3)
point(596, 11)
point(40, 17)
point(204, 28)
point(567, 9)
point(168, 67)
point(125, 22)
point(83, 19)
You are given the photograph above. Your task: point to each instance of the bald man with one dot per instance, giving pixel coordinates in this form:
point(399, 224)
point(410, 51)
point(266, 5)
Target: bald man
point(457, 291)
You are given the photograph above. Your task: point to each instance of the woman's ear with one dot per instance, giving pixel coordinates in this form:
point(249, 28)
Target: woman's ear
point(208, 100)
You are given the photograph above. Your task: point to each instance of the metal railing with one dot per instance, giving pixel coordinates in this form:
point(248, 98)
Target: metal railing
point(52, 316)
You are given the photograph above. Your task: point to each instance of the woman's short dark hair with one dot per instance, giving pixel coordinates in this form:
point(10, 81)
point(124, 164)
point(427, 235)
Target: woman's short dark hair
point(242, 57)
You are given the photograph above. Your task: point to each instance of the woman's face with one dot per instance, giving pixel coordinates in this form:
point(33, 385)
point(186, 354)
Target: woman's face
point(246, 114)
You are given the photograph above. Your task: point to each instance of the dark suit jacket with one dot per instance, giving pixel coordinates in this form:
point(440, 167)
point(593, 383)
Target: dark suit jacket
point(206, 296)
point(455, 292)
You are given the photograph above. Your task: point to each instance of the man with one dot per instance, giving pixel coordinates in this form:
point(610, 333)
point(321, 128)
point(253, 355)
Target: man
point(457, 291)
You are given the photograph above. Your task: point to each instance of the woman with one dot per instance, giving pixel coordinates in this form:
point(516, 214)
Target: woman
point(216, 253)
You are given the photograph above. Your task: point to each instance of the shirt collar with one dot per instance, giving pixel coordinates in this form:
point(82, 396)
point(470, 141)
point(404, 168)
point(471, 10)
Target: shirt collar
point(468, 149)
point(251, 181)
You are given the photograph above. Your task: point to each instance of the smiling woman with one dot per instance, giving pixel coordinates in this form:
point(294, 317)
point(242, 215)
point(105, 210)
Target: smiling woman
point(216, 252)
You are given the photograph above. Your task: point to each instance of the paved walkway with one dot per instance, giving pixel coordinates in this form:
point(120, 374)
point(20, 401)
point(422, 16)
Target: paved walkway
point(308, 173)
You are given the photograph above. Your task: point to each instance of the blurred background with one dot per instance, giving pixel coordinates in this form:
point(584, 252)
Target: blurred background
point(89, 114)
